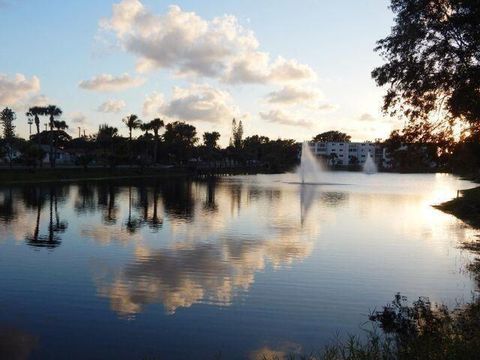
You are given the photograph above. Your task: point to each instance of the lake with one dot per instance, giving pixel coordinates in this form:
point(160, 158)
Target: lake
point(234, 267)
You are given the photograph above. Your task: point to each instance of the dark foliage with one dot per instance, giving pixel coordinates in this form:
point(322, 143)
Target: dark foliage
point(432, 59)
point(332, 136)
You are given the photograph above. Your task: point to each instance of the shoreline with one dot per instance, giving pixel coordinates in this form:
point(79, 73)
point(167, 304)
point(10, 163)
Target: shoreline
point(70, 174)
point(465, 207)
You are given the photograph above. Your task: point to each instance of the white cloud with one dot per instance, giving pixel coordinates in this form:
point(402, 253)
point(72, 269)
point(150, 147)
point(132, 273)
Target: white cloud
point(112, 106)
point(78, 118)
point(291, 95)
point(190, 45)
point(39, 100)
point(367, 117)
point(107, 82)
point(17, 89)
point(153, 104)
point(290, 70)
point(327, 107)
point(283, 118)
point(200, 103)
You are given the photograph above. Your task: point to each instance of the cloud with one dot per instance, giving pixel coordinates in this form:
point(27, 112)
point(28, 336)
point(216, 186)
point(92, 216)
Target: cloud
point(39, 100)
point(190, 45)
point(112, 106)
point(366, 117)
point(183, 275)
point(202, 103)
point(107, 82)
point(290, 95)
point(327, 107)
point(193, 103)
point(153, 104)
point(16, 89)
point(282, 118)
point(78, 118)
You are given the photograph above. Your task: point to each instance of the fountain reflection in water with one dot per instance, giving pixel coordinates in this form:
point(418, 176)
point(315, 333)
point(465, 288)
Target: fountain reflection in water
point(369, 167)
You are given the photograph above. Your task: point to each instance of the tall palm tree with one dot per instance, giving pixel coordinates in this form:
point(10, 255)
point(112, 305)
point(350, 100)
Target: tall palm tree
point(34, 113)
point(133, 122)
point(146, 127)
point(52, 112)
point(156, 125)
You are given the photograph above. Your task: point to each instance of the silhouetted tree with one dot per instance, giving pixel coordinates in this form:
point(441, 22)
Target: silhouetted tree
point(180, 139)
point(34, 113)
point(432, 60)
point(106, 139)
point(52, 112)
point(210, 139)
point(237, 134)
point(332, 136)
point(155, 125)
point(133, 122)
point(7, 117)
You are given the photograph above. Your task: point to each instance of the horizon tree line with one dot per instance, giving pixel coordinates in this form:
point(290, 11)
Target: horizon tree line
point(178, 143)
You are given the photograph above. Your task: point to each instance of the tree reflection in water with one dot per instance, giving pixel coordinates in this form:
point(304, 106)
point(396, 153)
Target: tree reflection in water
point(16, 344)
point(7, 208)
point(36, 198)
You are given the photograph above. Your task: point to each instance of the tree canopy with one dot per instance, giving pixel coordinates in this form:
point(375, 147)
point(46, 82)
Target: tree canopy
point(432, 60)
point(332, 136)
point(210, 139)
point(7, 117)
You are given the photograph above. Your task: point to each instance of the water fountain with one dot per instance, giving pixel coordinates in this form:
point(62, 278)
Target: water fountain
point(369, 167)
point(309, 173)
point(309, 170)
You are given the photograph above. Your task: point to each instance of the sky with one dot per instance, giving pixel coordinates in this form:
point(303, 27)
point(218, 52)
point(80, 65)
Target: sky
point(286, 68)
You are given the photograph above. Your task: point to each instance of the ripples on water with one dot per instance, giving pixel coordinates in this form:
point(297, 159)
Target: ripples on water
point(242, 266)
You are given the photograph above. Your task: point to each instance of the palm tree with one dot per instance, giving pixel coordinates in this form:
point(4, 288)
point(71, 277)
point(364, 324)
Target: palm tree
point(145, 127)
point(133, 122)
point(52, 111)
point(105, 137)
point(34, 113)
point(156, 125)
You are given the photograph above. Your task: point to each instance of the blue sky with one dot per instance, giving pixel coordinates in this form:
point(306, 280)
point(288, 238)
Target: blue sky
point(308, 63)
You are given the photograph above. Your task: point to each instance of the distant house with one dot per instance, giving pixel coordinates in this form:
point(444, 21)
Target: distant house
point(61, 157)
point(10, 153)
point(347, 153)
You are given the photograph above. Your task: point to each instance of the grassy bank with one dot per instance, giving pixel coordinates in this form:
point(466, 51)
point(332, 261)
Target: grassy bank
point(466, 207)
point(23, 176)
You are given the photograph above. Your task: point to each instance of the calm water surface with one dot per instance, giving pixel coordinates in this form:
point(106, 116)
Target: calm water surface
point(237, 266)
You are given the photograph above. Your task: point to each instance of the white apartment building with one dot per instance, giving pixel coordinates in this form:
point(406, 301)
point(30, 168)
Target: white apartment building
point(347, 153)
